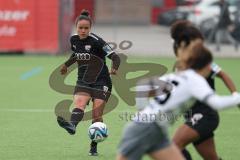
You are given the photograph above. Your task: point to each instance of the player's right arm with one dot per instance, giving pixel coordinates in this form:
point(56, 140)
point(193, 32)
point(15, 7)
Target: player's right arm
point(200, 90)
point(69, 62)
point(72, 59)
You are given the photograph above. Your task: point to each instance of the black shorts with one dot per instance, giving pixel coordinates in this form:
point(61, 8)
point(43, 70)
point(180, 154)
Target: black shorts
point(101, 89)
point(204, 120)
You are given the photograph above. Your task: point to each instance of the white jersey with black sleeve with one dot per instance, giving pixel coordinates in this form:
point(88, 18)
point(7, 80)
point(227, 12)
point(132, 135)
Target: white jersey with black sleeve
point(188, 86)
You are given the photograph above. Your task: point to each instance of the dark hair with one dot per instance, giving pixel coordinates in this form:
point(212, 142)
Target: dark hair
point(177, 27)
point(184, 31)
point(200, 56)
point(85, 15)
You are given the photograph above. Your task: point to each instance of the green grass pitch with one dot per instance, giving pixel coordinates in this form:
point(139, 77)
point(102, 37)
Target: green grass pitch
point(28, 128)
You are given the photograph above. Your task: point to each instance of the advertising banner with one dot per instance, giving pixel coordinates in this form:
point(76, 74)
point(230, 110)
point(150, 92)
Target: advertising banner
point(29, 25)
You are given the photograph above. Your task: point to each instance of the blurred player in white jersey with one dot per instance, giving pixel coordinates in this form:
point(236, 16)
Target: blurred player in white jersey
point(147, 134)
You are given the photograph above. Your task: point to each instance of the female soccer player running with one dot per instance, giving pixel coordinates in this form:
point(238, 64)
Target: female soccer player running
point(202, 120)
point(94, 82)
point(147, 134)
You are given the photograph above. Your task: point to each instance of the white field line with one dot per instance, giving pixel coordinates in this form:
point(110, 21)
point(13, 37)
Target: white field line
point(52, 111)
point(27, 110)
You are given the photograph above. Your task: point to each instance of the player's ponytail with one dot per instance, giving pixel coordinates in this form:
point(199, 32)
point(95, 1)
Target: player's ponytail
point(195, 55)
point(85, 15)
point(200, 58)
point(85, 12)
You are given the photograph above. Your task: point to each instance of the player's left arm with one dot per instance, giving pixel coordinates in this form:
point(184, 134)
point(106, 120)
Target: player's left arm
point(204, 93)
point(109, 52)
point(218, 72)
point(227, 81)
point(115, 62)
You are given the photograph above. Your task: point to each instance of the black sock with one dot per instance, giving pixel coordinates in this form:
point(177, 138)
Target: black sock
point(93, 144)
point(186, 154)
point(77, 116)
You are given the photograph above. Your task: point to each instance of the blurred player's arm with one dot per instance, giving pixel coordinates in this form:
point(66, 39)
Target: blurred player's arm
point(217, 71)
point(142, 96)
point(204, 93)
point(227, 81)
point(143, 88)
point(149, 88)
point(221, 102)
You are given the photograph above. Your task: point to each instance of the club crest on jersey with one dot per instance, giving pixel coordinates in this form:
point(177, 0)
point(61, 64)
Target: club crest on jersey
point(88, 47)
point(105, 88)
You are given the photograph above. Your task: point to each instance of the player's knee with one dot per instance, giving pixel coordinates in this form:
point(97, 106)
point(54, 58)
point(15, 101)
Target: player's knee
point(80, 105)
point(179, 142)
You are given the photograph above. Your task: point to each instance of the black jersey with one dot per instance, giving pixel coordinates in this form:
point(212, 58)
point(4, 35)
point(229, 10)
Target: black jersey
point(210, 79)
point(92, 51)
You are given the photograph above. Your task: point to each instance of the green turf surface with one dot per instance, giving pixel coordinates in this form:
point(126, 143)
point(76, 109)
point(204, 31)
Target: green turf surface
point(28, 128)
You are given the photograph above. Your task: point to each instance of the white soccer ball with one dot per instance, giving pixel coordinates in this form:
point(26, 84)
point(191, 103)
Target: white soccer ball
point(98, 132)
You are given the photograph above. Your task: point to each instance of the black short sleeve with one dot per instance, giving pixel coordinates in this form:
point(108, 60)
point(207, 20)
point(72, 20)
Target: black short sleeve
point(105, 47)
point(73, 43)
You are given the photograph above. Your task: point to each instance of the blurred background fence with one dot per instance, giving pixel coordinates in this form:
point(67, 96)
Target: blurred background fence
point(44, 27)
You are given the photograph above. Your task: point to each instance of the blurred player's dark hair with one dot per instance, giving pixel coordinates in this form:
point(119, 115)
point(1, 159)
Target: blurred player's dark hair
point(184, 31)
point(85, 15)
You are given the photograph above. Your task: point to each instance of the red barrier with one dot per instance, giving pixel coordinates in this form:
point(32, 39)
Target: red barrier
point(30, 25)
point(161, 7)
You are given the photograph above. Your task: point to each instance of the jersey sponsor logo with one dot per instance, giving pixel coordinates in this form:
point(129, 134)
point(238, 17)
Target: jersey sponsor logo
point(83, 56)
point(14, 15)
point(88, 47)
